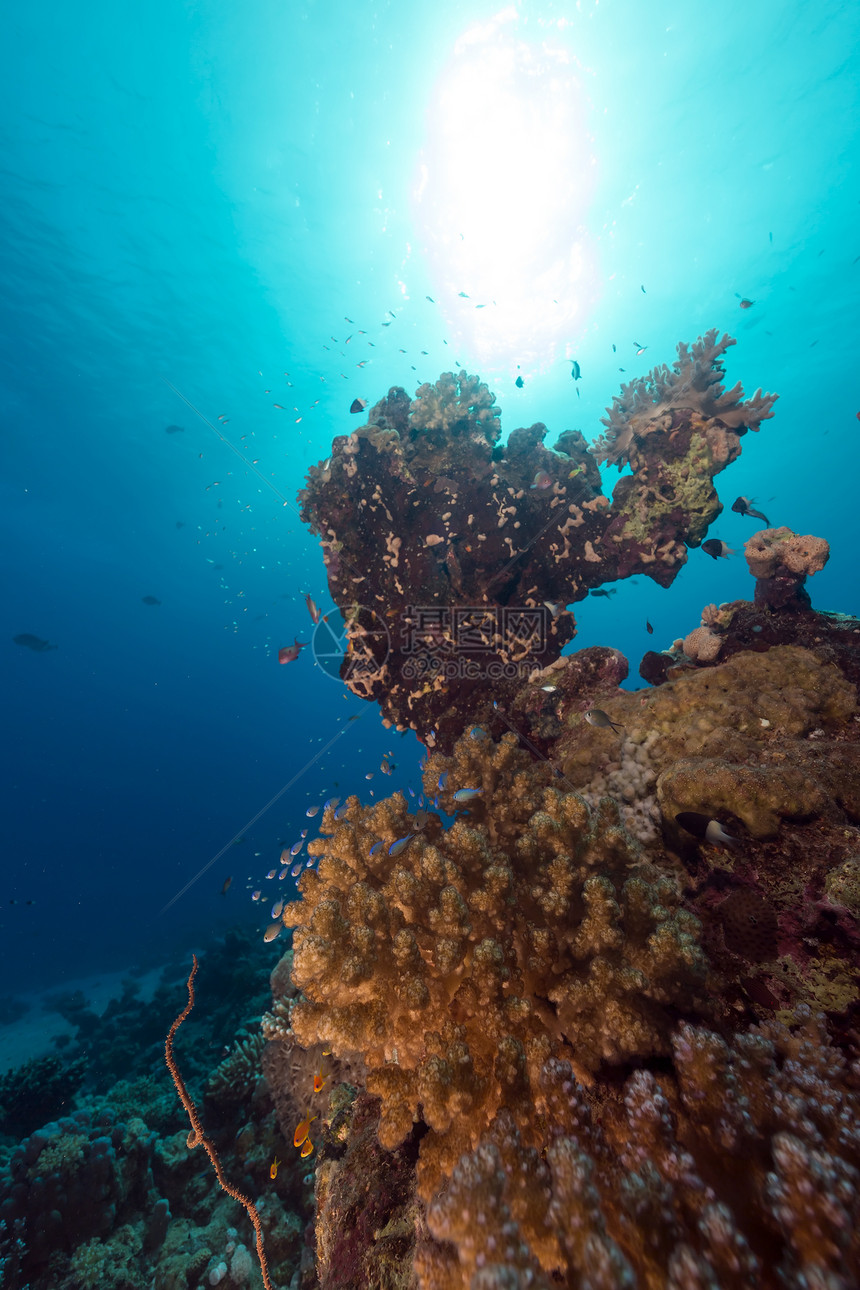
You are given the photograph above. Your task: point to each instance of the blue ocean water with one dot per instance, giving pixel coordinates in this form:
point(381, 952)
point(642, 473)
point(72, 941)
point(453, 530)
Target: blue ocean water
point(201, 203)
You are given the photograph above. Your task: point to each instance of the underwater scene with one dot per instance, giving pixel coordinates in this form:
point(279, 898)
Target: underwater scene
point(431, 731)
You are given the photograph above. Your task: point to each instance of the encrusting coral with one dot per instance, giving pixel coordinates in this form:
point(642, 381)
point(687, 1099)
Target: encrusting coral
point(454, 556)
point(533, 927)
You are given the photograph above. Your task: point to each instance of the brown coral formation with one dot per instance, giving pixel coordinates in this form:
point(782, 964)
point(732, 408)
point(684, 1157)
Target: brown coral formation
point(739, 1168)
point(453, 556)
point(533, 927)
point(781, 561)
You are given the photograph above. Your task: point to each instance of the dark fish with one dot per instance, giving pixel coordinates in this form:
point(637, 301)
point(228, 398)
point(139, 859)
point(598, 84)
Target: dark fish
point(430, 298)
point(150, 600)
point(575, 370)
point(226, 886)
point(519, 382)
point(358, 405)
point(34, 643)
point(613, 349)
point(180, 524)
point(644, 292)
point(173, 429)
point(717, 549)
point(649, 629)
point(743, 506)
point(601, 591)
point(462, 295)
point(747, 304)
point(597, 717)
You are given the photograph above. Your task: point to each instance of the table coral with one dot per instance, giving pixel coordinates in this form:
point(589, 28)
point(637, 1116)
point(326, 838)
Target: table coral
point(453, 556)
point(533, 926)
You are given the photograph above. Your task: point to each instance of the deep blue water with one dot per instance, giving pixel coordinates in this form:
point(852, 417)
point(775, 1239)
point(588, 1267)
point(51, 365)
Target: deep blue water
point(203, 194)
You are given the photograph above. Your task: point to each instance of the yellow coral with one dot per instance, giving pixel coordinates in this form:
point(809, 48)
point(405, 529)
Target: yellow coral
point(532, 927)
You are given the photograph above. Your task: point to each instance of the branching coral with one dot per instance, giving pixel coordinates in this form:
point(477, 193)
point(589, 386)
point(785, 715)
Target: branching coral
point(737, 1168)
point(532, 927)
point(693, 383)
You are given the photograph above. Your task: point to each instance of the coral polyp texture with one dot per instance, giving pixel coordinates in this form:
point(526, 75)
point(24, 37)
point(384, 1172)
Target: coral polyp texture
point(533, 928)
point(738, 1169)
point(453, 556)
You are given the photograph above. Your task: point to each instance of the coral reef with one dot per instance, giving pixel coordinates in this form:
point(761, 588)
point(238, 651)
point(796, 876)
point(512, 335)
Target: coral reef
point(532, 927)
point(739, 1168)
point(453, 556)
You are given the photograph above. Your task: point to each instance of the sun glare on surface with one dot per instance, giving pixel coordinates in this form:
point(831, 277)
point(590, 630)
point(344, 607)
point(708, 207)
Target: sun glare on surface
point(501, 198)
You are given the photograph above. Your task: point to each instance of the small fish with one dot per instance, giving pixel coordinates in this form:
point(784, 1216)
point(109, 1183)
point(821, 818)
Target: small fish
point(467, 794)
point(279, 406)
point(554, 606)
point(477, 732)
point(640, 349)
point(319, 1080)
point(702, 826)
point(549, 689)
point(226, 886)
point(173, 429)
point(614, 349)
point(331, 802)
point(312, 609)
point(386, 766)
point(649, 629)
point(296, 869)
point(273, 931)
point(302, 1130)
point(277, 909)
point(400, 845)
point(374, 849)
point(644, 292)
point(597, 717)
point(463, 295)
point(341, 811)
point(602, 591)
point(271, 873)
point(150, 600)
point(273, 1171)
point(296, 847)
point(747, 304)
point(289, 653)
point(311, 812)
point(743, 506)
point(717, 549)
point(430, 298)
point(519, 382)
point(358, 405)
point(282, 875)
point(443, 779)
point(307, 1148)
point(255, 895)
point(542, 480)
point(575, 369)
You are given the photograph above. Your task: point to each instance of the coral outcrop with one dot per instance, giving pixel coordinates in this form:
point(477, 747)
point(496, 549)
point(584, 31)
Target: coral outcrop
point(454, 556)
point(455, 963)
